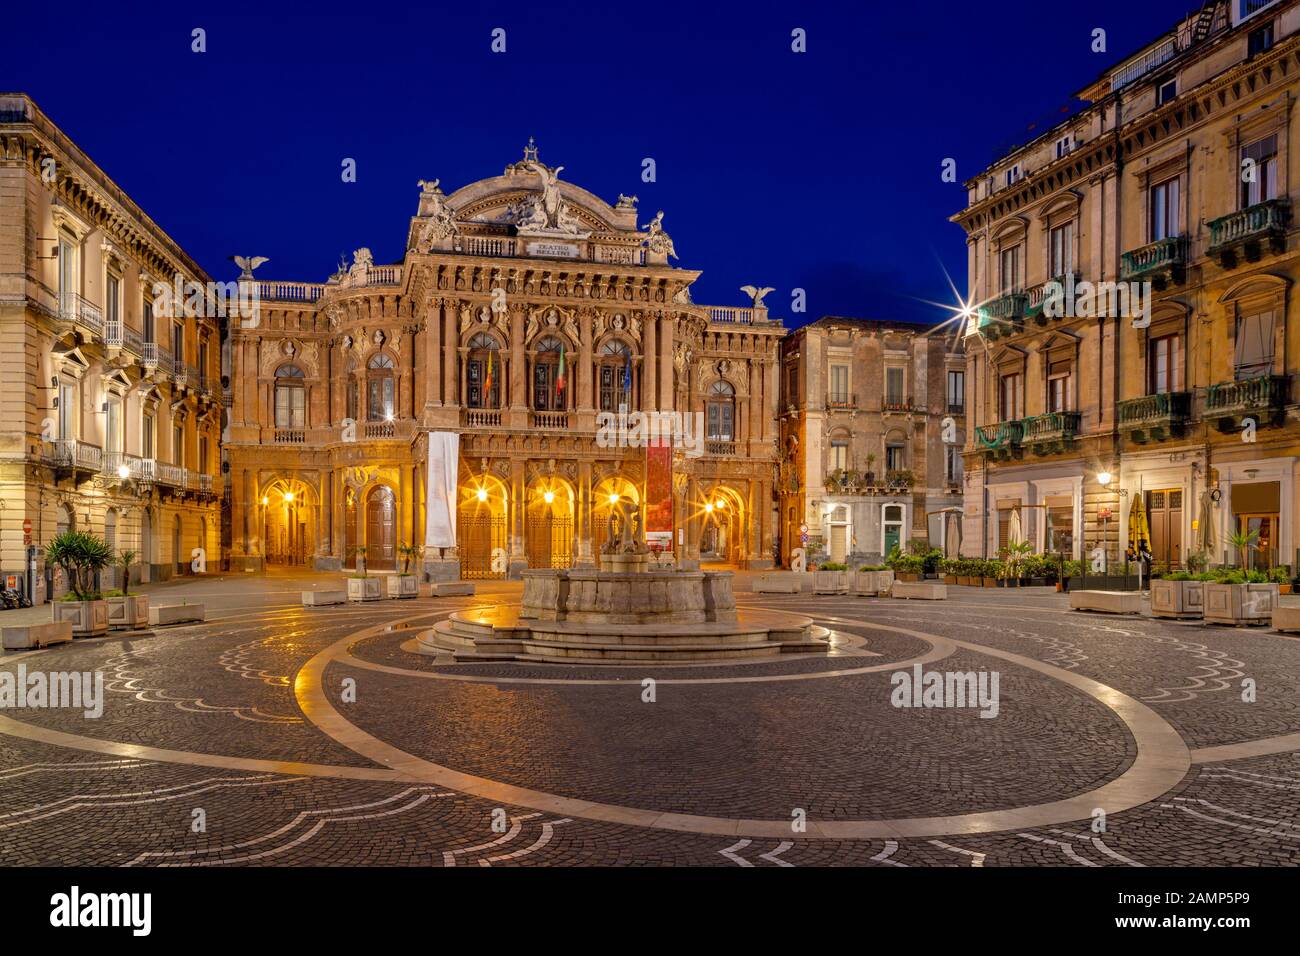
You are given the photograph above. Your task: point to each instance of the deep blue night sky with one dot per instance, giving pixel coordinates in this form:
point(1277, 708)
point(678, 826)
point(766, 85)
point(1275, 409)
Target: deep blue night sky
point(816, 170)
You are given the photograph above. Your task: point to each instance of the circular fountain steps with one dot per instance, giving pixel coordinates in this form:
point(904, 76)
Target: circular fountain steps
point(499, 634)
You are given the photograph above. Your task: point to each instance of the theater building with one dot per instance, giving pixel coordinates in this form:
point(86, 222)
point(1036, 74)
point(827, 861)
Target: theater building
point(112, 405)
point(525, 317)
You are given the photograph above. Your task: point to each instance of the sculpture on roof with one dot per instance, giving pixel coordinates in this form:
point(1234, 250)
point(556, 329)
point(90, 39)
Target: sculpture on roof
point(656, 239)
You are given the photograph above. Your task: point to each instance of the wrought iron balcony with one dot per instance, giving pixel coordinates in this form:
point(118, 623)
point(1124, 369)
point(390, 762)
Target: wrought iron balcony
point(1038, 295)
point(841, 400)
point(1245, 232)
point(75, 454)
point(1155, 417)
point(80, 311)
point(1263, 398)
point(1002, 439)
point(1003, 315)
point(171, 475)
point(1163, 261)
point(896, 403)
point(1051, 432)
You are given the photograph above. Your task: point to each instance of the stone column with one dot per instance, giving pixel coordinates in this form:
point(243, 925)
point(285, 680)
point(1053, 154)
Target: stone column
point(405, 387)
point(450, 350)
point(583, 557)
point(518, 556)
point(587, 373)
point(666, 331)
point(690, 560)
point(771, 397)
point(518, 368)
point(649, 380)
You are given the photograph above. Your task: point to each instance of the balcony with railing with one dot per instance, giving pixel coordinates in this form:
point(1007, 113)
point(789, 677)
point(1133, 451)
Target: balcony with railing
point(896, 403)
point(80, 311)
point(1002, 439)
point(1040, 296)
point(205, 484)
point(550, 421)
point(173, 476)
point(720, 448)
point(480, 417)
point(729, 315)
point(120, 465)
point(74, 454)
point(1140, 66)
point(1155, 417)
point(1246, 232)
point(1004, 315)
point(398, 429)
point(1163, 261)
point(290, 291)
point(289, 436)
point(1262, 397)
point(1053, 431)
point(841, 401)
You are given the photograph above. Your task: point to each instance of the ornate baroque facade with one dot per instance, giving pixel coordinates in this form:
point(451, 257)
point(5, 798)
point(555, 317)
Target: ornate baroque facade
point(1177, 181)
point(524, 308)
point(111, 413)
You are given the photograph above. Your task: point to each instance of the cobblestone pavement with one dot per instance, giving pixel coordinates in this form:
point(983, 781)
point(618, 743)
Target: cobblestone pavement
point(214, 748)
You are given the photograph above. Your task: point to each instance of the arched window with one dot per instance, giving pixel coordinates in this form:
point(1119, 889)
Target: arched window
point(550, 376)
point(380, 395)
point(483, 372)
point(616, 376)
point(290, 398)
point(720, 412)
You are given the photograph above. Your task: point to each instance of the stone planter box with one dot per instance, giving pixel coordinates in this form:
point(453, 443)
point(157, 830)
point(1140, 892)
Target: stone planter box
point(324, 598)
point(451, 588)
point(166, 614)
point(30, 636)
point(1236, 604)
point(1108, 602)
point(830, 582)
point(364, 589)
point(920, 590)
point(778, 582)
point(871, 583)
point(403, 586)
point(88, 618)
point(129, 612)
point(1284, 619)
point(1178, 599)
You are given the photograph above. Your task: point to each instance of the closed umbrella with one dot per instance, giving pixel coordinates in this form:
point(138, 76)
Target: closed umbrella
point(1015, 532)
point(1139, 531)
point(952, 534)
point(1206, 523)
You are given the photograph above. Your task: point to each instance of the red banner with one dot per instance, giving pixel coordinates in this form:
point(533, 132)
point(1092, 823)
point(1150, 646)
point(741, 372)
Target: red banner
point(659, 494)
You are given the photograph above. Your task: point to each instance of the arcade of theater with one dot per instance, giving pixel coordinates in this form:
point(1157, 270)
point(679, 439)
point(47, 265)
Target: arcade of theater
point(525, 316)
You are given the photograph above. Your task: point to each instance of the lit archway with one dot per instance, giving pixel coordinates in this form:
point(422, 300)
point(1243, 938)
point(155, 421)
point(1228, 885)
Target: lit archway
point(723, 526)
point(548, 531)
point(481, 527)
point(288, 521)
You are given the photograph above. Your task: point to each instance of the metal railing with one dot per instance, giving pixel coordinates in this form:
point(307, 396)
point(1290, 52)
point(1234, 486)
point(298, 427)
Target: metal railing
point(1264, 392)
point(1144, 64)
point(74, 453)
point(841, 400)
point(1052, 426)
point(169, 474)
point(1002, 435)
point(76, 308)
point(1153, 409)
point(1153, 257)
point(205, 484)
point(1263, 219)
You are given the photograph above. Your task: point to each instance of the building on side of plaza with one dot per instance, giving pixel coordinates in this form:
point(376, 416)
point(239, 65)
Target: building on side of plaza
point(1179, 176)
point(111, 410)
point(524, 309)
point(864, 465)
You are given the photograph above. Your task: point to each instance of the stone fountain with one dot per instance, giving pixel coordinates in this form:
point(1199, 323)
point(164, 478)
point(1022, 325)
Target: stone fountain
point(629, 610)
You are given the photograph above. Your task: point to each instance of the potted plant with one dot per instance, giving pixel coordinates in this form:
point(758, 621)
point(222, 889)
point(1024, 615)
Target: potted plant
point(991, 572)
point(1281, 576)
point(126, 610)
point(1178, 594)
point(871, 475)
point(1240, 597)
point(405, 584)
point(949, 567)
point(871, 579)
point(831, 578)
point(80, 556)
point(361, 586)
point(1013, 557)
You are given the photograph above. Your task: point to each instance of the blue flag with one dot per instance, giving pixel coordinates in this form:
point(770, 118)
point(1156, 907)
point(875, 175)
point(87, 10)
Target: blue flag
point(627, 372)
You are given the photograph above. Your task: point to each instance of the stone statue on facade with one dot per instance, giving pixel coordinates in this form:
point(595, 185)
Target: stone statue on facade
point(440, 224)
point(656, 239)
point(757, 294)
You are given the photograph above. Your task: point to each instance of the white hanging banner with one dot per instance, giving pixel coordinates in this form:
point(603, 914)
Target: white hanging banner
point(440, 501)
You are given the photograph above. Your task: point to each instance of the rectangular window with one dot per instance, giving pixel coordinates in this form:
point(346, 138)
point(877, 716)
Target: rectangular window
point(1011, 397)
point(148, 321)
point(720, 421)
point(203, 357)
point(840, 384)
point(1010, 274)
point(1259, 171)
point(895, 459)
point(290, 406)
point(1064, 145)
point(1164, 364)
point(113, 426)
point(178, 343)
point(112, 300)
point(67, 410)
point(1059, 387)
point(67, 267)
point(203, 453)
point(1254, 348)
point(1061, 251)
point(543, 387)
point(1260, 41)
point(952, 470)
point(895, 386)
point(839, 455)
point(792, 384)
point(1013, 174)
point(146, 437)
point(956, 391)
point(178, 445)
point(1166, 217)
point(379, 400)
point(1166, 89)
point(1060, 529)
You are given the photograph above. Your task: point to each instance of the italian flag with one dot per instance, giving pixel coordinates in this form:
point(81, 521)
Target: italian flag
point(559, 372)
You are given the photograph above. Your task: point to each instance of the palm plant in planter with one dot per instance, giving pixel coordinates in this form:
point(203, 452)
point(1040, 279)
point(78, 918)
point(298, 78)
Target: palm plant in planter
point(405, 584)
point(80, 556)
point(126, 610)
point(361, 586)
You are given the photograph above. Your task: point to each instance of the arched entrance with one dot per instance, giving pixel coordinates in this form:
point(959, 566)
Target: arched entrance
point(612, 491)
point(288, 508)
point(723, 527)
point(481, 529)
point(381, 528)
point(548, 536)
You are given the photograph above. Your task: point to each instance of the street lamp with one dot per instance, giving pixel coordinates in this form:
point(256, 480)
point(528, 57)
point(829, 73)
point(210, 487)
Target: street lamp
point(548, 497)
point(481, 494)
point(1104, 479)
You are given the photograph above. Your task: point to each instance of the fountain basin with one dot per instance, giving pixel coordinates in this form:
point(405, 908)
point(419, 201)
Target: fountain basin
point(615, 597)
